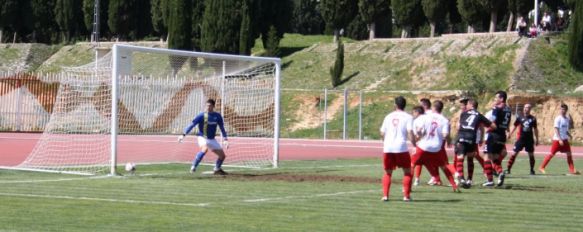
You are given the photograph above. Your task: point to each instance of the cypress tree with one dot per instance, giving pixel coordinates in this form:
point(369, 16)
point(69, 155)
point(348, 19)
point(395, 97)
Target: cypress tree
point(471, 13)
point(370, 11)
point(338, 13)
point(277, 14)
point(407, 13)
point(159, 13)
point(576, 38)
point(272, 45)
point(179, 30)
point(220, 26)
point(69, 17)
point(246, 29)
point(143, 27)
point(338, 68)
point(435, 11)
point(196, 25)
point(122, 18)
point(43, 18)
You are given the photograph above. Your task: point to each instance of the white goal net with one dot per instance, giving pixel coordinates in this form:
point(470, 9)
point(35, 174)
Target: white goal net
point(156, 94)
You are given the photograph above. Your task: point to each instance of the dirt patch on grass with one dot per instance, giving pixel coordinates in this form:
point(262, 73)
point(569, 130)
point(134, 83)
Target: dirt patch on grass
point(300, 178)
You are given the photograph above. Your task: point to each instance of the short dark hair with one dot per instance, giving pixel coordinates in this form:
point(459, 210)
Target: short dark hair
point(400, 102)
point(438, 106)
point(425, 103)
point(502, 94)
point(473, 102)
point(419, 109)
point(564, 106)
point(211, 101)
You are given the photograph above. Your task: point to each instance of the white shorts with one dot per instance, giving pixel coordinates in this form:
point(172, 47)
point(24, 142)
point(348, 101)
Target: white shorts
point(210, 143)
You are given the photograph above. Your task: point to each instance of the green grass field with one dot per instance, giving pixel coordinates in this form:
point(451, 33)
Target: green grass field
point(339, 195)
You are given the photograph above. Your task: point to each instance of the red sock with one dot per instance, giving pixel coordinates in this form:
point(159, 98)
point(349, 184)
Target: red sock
point(434, 172)
point(488, 170)
point(451, 168)
point(546, 161)
point(498, 165)
point(511, 162)
point(407, 185)
point(459, 167)
point(386, 184)
point(449, 176)
point(417, 171)
point(570, 162)
point(480, 160)
point(454, 162)
point(470, 168)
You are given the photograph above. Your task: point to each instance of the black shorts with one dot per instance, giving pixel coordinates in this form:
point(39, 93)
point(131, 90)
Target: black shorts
point(494, 144)
point(462, 148)
point(527, 145)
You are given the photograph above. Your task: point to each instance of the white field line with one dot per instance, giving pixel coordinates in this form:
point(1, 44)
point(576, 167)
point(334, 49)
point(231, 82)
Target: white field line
point(50, 180)
point(206, 204)
point(308, 196)
point(103, 199)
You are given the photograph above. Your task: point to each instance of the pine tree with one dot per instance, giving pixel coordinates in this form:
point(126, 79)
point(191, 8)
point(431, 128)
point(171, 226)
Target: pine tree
point(576, 38)
point(370, 11)
point(471, 13)
point(407, 13)
point(307, 19)
point(435, 11)
point(179, 30)
point(492, 6)
point(221, 26)
point(338, 13)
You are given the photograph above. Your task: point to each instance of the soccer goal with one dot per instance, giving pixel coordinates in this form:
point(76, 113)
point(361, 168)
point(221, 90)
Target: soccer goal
point(131, 105)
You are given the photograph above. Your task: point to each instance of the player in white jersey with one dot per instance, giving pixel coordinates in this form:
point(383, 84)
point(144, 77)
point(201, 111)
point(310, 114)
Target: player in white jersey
point(396, 128)
point(431, 131)
point(426, 104)
point(561, 140)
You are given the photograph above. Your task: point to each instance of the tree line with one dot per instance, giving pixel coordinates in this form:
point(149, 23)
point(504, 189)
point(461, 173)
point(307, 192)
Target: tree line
point(232, 26)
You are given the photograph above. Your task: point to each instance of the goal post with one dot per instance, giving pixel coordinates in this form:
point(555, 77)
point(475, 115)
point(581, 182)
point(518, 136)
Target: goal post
point(132, 104)
point(122, 56)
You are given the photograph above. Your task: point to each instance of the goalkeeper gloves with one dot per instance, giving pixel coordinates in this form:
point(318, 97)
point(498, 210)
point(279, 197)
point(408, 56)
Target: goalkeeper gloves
point(180, 138)
point(226, 144)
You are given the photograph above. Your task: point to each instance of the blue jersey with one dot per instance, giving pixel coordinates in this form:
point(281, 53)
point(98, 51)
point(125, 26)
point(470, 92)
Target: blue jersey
point(207, 125)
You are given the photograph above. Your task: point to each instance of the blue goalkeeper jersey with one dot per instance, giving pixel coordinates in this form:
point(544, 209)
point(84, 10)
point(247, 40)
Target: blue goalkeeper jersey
point(207, 125)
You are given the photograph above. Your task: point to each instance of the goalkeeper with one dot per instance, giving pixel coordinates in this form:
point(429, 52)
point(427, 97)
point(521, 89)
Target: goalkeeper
point(207, 127)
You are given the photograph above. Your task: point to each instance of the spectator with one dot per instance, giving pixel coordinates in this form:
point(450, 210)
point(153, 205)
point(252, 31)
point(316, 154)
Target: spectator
point(546, 22)
point(521, 27)
point(533, 31)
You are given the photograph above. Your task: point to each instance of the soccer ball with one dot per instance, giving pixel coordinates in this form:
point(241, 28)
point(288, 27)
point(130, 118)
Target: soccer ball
point(130, 167)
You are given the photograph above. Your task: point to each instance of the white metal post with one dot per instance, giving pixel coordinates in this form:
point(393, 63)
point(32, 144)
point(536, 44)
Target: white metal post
point(276, 115)
point(224, 75)
point(360, 117)
point(19, 104)
point(114, 118)
point(325, 111)
point(345, 113)
point(536, 12)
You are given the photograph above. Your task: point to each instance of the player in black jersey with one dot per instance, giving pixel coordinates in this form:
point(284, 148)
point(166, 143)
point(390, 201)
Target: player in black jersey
point(527, 127)
point(496, 138)
point(470, 121)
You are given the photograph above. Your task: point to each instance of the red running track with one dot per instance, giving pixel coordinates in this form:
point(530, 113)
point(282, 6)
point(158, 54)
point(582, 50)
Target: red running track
point(15, 147)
